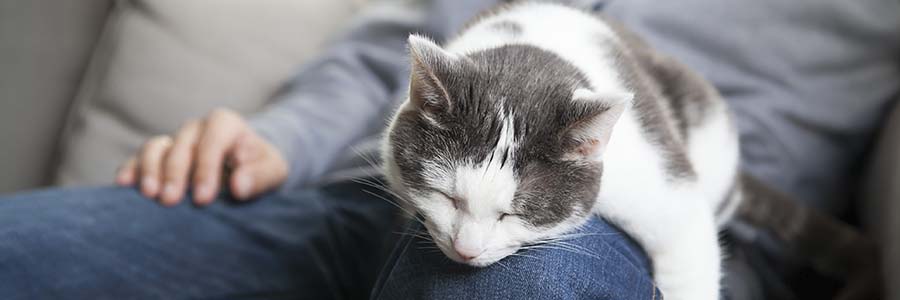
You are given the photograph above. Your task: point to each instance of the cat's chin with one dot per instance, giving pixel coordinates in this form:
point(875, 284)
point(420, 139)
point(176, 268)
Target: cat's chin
point(479, 264)
point(485, 260)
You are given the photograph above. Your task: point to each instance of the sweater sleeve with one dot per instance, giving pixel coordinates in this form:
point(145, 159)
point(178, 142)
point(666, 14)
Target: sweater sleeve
point(333, 100)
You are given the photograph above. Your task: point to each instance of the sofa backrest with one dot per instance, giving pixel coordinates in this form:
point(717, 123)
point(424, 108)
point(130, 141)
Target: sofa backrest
point(162, 62)
point(44, 47)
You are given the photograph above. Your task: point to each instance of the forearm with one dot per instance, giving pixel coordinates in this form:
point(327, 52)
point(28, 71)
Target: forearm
point(333, 100)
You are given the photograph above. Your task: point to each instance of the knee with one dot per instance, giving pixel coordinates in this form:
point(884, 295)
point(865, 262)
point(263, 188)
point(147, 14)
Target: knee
point(56, 223)
point(599, 262)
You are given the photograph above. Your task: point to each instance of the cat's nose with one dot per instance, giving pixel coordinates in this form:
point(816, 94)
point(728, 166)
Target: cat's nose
point(467, 253)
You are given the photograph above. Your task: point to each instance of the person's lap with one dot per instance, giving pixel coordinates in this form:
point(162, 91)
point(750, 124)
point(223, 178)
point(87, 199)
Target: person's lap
point(598, 262)
point(324, 243)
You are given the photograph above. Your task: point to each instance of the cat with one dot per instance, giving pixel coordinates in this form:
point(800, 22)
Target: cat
point(538, 116)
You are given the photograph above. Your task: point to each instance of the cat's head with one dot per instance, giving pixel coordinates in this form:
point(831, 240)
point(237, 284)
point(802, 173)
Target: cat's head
point(499, 148)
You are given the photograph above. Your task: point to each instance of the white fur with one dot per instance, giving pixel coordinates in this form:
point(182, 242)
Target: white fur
point(714, 152)
point(672, 220)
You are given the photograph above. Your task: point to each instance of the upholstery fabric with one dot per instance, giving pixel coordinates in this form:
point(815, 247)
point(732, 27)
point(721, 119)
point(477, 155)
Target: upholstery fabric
point(162, 62)
point(44, 48)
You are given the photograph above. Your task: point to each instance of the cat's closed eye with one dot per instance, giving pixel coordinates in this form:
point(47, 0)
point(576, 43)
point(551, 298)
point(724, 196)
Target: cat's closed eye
point(505, 215)
point(453, 200)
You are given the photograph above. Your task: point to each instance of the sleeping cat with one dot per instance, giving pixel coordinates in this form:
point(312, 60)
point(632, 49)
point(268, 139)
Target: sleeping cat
point(538, 116)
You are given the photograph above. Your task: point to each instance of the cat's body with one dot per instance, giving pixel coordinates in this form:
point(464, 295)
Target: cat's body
point(537, 116)
point(664, 175)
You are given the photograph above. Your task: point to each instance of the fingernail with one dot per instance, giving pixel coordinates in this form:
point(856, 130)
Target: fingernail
point(150, 185)
point(170, 192)
point(244, 185)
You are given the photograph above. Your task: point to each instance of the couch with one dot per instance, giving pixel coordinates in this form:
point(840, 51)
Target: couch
point(83, 83)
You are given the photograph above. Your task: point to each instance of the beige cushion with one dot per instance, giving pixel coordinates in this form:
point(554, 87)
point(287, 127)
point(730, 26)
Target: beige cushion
point(44, 48)
point(162, 62)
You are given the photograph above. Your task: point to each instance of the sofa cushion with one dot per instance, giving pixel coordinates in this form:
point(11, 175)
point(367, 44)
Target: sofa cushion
point(162, 62)
point(44, 48)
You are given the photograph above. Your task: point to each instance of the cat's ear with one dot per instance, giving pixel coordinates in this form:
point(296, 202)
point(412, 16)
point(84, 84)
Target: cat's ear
point(431, 64)
point(592, 121)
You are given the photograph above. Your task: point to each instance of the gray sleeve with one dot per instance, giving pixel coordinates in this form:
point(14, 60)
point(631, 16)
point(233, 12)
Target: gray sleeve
point(332, 100)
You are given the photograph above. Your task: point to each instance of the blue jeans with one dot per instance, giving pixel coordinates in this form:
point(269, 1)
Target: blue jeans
point(333, 242)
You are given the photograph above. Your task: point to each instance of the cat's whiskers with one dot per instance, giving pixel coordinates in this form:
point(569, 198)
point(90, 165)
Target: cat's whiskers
point(374, 181)
point(374, 185)
point(571, 236)
point(392, 203)
point(525, 255)
point(421, 235)
point(380, 188)
point(560, 242)
point(504, 266)
point(565, 247)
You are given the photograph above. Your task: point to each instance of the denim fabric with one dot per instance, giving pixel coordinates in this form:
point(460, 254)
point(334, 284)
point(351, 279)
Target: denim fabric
point(602, 263)
point(111, 243)
point(324, 243)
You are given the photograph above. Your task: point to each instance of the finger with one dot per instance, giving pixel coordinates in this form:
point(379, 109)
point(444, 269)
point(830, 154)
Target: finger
point(253, 178)
point(127, 173)
point(177, 164)
point(245, 149)
point(151, 162)
point(220, 131)
point(260, 168)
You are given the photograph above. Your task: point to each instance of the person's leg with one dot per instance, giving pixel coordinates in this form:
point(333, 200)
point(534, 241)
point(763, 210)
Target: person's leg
point(111, 243)
point(601, 263)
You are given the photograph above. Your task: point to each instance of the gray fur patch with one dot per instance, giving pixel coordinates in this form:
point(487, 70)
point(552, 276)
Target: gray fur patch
point(532, 86)
point(668, 97)
point(689, 94)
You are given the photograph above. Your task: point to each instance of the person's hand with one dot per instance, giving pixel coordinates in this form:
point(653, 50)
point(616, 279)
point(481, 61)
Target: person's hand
point(197, 155)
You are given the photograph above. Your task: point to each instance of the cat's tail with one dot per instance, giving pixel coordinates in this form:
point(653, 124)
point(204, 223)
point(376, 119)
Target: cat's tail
point(833, 247)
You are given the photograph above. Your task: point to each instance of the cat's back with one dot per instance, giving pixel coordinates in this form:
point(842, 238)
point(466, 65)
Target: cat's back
point(551, 26)
point(574, 35)
point(677, 124)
